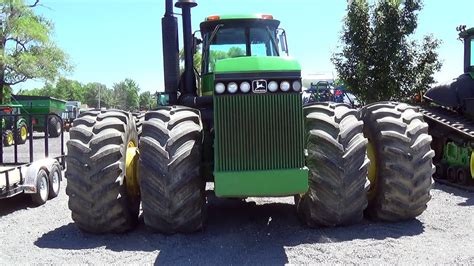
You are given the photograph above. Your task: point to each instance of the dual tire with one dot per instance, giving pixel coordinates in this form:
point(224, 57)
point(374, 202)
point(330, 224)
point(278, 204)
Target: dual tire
point(170, 185)
point(342, 187)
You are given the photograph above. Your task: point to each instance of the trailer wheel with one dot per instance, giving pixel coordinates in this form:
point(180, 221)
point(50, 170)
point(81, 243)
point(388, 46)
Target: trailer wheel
point(172, 188)
point(103, 196)
point(8, 138)
point(54, 126)
point(336, 158)
point(42, 188)
point(401, 161)
point(54, 181)
point(22, 133)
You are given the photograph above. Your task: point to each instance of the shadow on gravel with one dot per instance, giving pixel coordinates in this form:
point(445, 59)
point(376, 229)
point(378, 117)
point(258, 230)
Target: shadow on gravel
point(468, 195)
point(237, 233)
point(19, 202)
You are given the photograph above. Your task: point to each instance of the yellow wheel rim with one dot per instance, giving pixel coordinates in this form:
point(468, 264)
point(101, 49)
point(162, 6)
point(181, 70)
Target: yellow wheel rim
point(372, 175)
point(10, 138)
point(472, 164)
point(23, 133)
point(131, 169)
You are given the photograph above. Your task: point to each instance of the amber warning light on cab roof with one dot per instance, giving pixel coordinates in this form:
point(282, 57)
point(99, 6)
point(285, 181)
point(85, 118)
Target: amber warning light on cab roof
point(262, 16)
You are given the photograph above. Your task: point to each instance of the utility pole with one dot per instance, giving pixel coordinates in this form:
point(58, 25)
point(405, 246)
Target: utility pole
point(99, 97)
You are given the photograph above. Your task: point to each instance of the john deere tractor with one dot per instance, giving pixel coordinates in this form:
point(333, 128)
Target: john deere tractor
point(246, 130)
point(449, 111)
point(7, 118)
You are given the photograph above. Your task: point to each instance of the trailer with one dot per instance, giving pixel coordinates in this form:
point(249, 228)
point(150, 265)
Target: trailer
point(40, 178)
point(45, 111)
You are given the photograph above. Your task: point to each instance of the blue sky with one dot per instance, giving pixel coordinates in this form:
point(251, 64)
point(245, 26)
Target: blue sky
point(109, 40)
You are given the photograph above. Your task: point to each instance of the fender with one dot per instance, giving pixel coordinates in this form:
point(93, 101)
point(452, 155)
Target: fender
point(29, 185)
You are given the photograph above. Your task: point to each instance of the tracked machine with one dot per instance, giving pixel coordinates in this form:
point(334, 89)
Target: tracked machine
point(244, 129)
point(449, 111)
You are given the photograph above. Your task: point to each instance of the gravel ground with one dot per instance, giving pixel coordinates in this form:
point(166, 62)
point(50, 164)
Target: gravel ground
point(258, 231)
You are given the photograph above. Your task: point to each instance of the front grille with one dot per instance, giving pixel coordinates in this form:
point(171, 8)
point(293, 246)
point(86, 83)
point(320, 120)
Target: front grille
point(258, 132)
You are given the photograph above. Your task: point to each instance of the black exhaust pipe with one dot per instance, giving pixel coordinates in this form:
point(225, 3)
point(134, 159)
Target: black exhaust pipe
point(169, 27)
point(188, 80)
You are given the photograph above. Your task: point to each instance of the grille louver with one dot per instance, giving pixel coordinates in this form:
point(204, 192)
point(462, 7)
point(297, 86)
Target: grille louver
point(258, 132)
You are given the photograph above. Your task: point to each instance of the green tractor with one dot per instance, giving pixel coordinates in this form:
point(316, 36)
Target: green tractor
point(449, 111)
point(245, 130)
point(7, 116)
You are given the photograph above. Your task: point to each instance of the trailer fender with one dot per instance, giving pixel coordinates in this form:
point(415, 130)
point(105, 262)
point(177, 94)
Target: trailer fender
point(29, 186)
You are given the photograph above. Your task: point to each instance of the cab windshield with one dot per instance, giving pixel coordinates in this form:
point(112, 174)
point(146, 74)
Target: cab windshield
point(237, 42)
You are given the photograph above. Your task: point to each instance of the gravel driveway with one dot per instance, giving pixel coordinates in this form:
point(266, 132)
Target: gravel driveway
point(258, 231)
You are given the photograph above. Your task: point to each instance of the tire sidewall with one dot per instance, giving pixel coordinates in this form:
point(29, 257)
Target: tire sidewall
point(54, 126)
point(38, 199)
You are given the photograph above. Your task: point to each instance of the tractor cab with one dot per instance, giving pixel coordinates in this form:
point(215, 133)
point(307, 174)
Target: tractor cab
point(245, 45)
point(7, 111)
point(467, 36)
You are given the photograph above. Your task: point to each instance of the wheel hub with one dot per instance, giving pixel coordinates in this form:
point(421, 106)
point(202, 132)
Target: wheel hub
point(131, 169)
point(23, 133)
point(10, 139)
point(44, 188)
point(372, 175)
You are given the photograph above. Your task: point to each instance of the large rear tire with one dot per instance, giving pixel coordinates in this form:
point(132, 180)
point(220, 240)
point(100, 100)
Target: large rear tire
point(336, 158)
point(170, 160)
point(401, 161)
point(96, 165)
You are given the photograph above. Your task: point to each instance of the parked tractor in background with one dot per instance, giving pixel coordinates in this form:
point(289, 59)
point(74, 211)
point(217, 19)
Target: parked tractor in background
point(245, 130)
point(72, 112)
point(10, 132)
point(38, 106)
point(449, 111)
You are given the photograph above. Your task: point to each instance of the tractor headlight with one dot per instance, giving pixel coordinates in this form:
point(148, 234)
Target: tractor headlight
point(285, 86)
point(273, 86)
point(296, 85)
point(220, 88)
point(245, 87)
point(232, 87)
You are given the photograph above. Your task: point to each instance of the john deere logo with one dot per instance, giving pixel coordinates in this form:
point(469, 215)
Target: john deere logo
point(259, 86)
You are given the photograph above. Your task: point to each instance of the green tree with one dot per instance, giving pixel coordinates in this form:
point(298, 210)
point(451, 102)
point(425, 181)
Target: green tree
point(147, 102)
point(26, 49)
point(379, 60)
point(92, 91)
point(125, 95)
point(69, 90)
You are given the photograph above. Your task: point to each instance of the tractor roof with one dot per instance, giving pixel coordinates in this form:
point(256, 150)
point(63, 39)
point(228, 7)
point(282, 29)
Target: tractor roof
point(239, 20)
point(239, 16)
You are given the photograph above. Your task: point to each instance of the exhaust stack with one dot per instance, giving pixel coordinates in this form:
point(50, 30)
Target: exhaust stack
point(169, 27)
point(188, 81)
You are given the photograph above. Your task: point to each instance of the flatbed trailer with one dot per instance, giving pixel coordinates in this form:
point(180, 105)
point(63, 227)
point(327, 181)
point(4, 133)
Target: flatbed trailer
point(41, 178)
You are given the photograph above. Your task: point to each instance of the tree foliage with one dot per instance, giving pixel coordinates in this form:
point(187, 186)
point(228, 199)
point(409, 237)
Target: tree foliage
point(147, 101)
point(124, 95)
point(379, 60)
point(26, 49)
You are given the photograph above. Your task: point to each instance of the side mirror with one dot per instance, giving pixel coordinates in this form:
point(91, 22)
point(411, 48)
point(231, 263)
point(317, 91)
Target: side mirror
point(283, 41)
point(196, 43)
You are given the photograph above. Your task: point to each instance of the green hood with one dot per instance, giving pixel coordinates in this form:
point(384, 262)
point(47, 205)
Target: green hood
point(256, 64)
